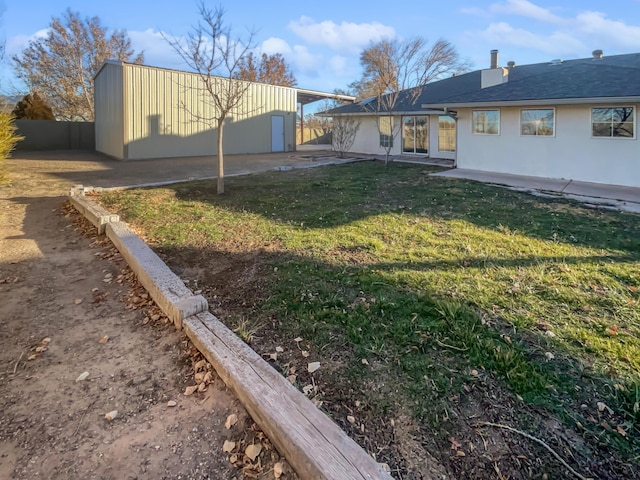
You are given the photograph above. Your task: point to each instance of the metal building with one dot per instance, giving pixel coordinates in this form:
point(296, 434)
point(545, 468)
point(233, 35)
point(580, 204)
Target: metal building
point(148, 112)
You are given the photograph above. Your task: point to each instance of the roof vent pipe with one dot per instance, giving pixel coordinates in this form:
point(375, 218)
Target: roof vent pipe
point(511, 64)
point(597, 54)
point(494, 58)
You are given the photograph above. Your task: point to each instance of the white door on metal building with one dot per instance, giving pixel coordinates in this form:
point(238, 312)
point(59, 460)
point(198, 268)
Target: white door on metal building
point(277, 133)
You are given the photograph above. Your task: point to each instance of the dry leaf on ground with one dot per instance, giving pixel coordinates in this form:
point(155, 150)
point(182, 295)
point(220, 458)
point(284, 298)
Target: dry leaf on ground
point(228, 446)
point(82, 376)
point(278, 469)
point(313, 366)
point(253, 450)
point(189, 390)
point(231, 421)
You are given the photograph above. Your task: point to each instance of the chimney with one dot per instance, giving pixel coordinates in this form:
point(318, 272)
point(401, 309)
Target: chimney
point(495, 75)
point(597, 54)
point(494, 59)
point(511, 64)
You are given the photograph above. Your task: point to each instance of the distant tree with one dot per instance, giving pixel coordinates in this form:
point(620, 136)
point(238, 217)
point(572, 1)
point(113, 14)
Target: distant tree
point(215, 55)
point(271, 69)
point(33, 107)
point(61, 65)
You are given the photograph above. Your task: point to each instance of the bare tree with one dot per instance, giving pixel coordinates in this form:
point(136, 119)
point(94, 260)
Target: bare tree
point(392, 65)
point(270, 69)
point(61, 66)
point(215, 56)
point(393, 71)
point(343, 134)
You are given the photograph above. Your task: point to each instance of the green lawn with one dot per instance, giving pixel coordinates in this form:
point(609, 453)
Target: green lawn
point(435, 282)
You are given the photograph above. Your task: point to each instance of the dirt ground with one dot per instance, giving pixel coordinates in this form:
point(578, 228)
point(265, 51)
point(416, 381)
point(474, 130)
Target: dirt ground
point(69, 305)
point(60, 284)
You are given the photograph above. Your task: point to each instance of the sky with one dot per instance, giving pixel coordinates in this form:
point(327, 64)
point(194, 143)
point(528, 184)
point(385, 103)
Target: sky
point(322, 40)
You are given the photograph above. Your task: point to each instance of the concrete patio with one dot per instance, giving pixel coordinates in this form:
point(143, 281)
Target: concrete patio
point(615, 196)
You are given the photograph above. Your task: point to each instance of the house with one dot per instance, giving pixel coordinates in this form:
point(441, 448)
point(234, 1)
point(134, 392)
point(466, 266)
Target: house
point(147, 112)
point(571, 119)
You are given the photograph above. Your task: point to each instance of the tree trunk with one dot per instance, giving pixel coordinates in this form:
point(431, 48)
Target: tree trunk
point(220, 186)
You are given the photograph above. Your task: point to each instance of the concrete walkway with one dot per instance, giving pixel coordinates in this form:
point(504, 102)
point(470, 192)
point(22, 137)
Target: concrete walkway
point(66, 168)
point(616, 196)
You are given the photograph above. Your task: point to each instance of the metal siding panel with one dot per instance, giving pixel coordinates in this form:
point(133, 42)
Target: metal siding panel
point(109, 111)
point(159, 93)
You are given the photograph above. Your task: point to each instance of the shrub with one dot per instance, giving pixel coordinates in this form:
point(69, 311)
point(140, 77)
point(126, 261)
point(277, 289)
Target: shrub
point(8, 138)
point(33, 107)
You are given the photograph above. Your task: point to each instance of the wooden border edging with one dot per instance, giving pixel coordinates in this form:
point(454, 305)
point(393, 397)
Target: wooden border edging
point(96, 214)
point(314, 446)
point(311, 442)
point(164, 286)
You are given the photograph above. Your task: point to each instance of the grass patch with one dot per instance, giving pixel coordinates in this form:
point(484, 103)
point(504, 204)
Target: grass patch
point(437, 282)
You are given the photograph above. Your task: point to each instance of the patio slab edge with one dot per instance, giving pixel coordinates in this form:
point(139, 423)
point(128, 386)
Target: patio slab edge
point(313, 444)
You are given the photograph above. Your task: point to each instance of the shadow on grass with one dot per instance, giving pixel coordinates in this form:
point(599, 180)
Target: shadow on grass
point(351, 313)
point(339, 195)
point(355, 310)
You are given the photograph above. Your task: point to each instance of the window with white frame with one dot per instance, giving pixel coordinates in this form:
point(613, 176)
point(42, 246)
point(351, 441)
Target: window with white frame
point(618, 122)
point(537, 121)
point(385, 125)
point(446, 134)
point(485, 122)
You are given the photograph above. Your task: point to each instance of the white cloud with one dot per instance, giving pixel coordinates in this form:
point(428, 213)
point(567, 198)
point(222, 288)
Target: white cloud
point(304, 61)
point(299, 57)
point(274, 45)
point(16, 44)
point(555, 43)
point(603, 30)
point(524, 8)
point(338, 64)
point(478, 12)
point(345, 37)
point(571, 35)
point(157, 51)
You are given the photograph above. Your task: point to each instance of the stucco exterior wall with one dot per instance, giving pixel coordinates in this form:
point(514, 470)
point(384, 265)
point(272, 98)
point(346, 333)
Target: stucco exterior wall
point(368, 139)
point(572, 153)
point(109, 110)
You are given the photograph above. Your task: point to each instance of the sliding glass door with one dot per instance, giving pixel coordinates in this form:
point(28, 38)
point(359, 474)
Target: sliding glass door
point(415, 134)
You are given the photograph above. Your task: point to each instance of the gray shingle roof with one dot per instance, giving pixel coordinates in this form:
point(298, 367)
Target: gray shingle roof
point(586, 78)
